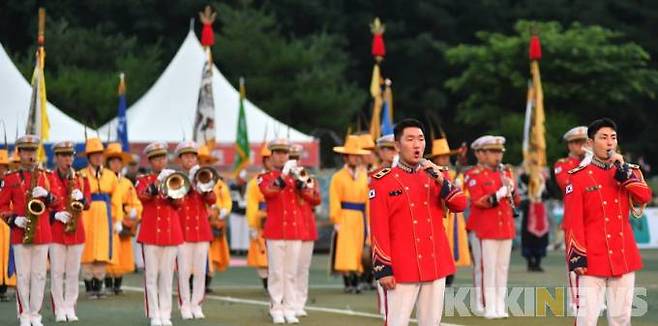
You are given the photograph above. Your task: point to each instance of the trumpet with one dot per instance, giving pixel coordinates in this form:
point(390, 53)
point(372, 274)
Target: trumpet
point(175, 186)
point(301, 176)
point(205, 178)
point(502, 168)
point(34, 208)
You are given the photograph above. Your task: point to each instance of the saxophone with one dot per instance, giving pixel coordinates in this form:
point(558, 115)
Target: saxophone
point(34, 208)
point(74, 207)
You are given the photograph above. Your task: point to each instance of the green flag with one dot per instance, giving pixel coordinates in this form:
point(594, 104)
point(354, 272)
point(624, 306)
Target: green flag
point(242, 150)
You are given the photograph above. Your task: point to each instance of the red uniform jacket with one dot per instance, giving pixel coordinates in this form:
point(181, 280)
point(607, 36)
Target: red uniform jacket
point(489, 218)
point(561, 170)
point(193, 214)
point(160, 222)
point(284, 218)
point(598, 234)
point(58, 186)
point(13, 203)
point(406, 223)
point(309, 199)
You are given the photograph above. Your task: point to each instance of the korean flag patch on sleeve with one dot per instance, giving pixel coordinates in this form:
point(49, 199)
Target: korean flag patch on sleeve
point(371, 193)
point(569, 189)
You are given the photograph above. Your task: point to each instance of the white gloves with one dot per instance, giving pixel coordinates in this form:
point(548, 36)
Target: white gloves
point(502, 192)
point(223, 213)
point(118, 227)
point(21, 221)
point(193, 171)
point(76, 194)
point(291, 164)
point(205, 187)
point(133, 214)
point(253, 233)
point(63, 216)
point(39, 191)
point(164, 174)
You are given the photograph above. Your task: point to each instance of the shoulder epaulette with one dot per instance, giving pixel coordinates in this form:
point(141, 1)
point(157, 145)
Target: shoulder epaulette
point(633, 166)
point(576, 169)
point(381, 173)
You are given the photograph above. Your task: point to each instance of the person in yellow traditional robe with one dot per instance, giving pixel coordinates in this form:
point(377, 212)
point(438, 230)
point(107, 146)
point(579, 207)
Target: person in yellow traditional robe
point(348, 211)
point(101, 225)
point(453, 223)
point(7, 270)
point(256, 215)
point(218, 254)
point(131, 208)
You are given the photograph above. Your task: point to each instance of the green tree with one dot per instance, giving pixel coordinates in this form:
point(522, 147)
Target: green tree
point(300, 81)
point(587, 72)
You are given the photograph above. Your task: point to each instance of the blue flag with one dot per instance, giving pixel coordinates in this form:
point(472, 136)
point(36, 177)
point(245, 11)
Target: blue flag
point(387, 124)
point(122, 126)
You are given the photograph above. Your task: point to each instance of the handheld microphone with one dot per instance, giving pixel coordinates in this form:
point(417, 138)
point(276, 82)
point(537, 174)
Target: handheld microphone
point(429, 170)
point(617, 163)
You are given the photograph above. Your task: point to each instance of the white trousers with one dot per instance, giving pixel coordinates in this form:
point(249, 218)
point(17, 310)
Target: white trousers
point(476, 251)
point(65, 260)
point(158, 279)
point(192, 260)
point(495, 267)
point(239, 232)
point(282, 259)
point(30, 279)
point(618, 292)
point(426, 296)
point(303, 269)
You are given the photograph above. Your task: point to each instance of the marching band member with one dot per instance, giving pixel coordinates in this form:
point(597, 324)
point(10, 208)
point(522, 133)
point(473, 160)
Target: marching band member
point(116, 159)
point(68, 232)
point(282, 232)
point(7, 276)
point(348, 197)
point(576, 138)
point(101, 227)
point(386, 150)
point(160, 235)
point(601, 248)
point(197, 235)
point(308, 199)
point(493, 201)
point(410, 250)
point(256, 216)
point(30, 227)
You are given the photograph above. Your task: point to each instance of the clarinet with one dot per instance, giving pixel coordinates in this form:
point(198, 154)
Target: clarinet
point(502, 169)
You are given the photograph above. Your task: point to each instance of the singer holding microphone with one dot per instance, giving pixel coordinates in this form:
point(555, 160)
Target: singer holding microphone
point(600, 246)
point(411, 256)
point(493, 208)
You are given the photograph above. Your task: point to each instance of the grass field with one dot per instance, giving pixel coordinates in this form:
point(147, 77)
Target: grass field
point(239, 300)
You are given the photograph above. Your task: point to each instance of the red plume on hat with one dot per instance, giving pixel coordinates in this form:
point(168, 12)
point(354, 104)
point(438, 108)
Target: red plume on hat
point(378, 48)
point(207, 17)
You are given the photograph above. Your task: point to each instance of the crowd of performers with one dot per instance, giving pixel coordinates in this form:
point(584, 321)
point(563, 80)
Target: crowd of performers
point(398, 217)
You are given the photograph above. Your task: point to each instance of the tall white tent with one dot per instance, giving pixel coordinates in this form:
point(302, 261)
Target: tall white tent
point(166, 112)
point(15, 93)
